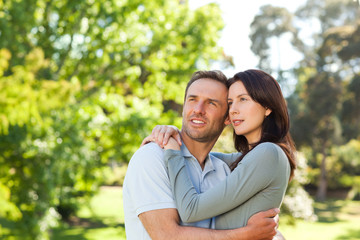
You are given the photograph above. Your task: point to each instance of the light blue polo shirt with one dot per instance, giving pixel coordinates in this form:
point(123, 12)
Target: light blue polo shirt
point(214, 171)
point(147, 185)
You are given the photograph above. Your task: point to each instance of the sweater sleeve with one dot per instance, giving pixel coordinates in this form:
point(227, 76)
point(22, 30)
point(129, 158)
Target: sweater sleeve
point(253, 174)
point(228, 158)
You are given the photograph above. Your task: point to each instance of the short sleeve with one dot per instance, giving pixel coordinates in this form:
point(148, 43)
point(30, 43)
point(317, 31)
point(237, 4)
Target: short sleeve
point(146, 182)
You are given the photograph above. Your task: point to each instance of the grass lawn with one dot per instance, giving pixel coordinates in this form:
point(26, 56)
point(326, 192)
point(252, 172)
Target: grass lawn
point(338, 219)
point(104, 219)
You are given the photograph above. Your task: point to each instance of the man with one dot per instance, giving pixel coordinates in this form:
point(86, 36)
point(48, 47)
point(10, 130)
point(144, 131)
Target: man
point(150, 211)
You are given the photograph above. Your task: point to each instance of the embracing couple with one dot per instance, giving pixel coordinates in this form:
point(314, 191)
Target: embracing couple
point(176, 188)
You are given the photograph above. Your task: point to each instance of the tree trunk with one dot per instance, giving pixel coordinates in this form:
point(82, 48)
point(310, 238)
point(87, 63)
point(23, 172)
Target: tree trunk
point(322, 187)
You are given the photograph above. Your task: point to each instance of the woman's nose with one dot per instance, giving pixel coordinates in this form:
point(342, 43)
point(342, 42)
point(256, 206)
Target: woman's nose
point(233, 110)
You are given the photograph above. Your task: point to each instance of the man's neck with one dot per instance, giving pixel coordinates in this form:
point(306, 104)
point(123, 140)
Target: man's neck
point(199, 150)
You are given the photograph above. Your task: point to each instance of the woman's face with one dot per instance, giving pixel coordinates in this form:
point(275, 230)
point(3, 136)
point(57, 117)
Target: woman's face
point(245, 114)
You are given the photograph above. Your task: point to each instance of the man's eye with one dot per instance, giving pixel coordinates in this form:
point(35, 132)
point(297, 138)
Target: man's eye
point(229, 103)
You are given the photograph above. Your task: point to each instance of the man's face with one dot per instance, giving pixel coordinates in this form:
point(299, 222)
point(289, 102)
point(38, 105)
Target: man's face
point(205, 110)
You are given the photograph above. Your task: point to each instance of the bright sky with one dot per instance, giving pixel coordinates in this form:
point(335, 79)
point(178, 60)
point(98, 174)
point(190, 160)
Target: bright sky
point(235, 41)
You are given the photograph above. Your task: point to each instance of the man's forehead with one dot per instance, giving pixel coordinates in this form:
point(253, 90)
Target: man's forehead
point(217, 93)
point(207, 85)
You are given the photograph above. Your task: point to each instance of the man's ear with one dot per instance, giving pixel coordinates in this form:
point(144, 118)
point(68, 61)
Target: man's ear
point(227, 121)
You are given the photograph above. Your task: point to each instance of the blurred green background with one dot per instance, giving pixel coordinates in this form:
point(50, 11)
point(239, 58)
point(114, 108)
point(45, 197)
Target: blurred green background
point(83, 82)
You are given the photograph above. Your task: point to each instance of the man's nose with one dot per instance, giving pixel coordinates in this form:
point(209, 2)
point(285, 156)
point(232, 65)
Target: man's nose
point(199, 108)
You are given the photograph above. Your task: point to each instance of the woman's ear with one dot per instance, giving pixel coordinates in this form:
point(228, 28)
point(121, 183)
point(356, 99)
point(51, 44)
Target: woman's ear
point(267, 111)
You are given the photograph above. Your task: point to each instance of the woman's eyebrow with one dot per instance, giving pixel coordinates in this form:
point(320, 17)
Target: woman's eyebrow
point(240, 95)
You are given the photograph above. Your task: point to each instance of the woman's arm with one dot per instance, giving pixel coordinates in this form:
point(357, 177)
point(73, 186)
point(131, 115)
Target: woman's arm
point(228, 158)
point(255, 172)
point(162, 133)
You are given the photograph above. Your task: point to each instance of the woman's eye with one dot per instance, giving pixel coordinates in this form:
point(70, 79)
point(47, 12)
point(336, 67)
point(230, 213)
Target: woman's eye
point(229, 103)
point(243, 99)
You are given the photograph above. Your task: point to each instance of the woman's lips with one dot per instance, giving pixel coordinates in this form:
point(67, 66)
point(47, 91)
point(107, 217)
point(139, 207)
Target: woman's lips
point(237, 122)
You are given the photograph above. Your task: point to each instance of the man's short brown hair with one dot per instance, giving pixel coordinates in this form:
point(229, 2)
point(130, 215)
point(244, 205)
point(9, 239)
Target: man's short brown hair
point(215, 75)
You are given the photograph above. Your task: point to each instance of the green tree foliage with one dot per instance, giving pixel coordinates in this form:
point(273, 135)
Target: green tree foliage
point(346, 167)
point(81, 84)
point(275, 22)
point(324, 106)
point(321, 118)
point(270, 22)
point(343, 43)
point(297, 203)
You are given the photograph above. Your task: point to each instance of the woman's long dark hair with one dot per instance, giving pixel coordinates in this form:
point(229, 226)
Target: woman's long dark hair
point(265, 90)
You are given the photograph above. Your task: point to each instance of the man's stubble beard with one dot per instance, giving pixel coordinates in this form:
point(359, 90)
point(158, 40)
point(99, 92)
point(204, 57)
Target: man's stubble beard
point(206, 135)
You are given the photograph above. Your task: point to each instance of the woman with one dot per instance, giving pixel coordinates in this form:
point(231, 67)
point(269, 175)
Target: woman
point(260, 176)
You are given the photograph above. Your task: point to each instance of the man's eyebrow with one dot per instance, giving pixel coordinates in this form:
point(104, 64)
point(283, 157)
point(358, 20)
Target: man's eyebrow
point(209, 99)
point(214, 100)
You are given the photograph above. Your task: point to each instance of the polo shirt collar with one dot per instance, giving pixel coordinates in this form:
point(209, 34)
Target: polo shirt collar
point(209, 166)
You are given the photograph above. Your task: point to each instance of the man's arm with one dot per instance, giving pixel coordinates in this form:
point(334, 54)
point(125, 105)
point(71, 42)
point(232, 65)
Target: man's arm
point(164, 224)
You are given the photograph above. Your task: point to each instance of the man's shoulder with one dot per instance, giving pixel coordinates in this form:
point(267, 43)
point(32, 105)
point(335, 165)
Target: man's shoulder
point(146, 185)
point(147, 154)
point(146, 161)
point(150, 149)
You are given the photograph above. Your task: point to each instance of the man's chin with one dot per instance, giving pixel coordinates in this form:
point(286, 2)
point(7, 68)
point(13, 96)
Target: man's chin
point(201, 137)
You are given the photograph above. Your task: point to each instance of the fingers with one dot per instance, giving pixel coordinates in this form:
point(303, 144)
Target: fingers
point(270, 227)
point(263, 224)
point(162, 133)
point(160, 136)
point(276, 219)
point(178, 138)
point(146, 140)
point(155, 132)
point(172, 144)
point(166, 138)
point(143, 143)
point(171, 132)
point(271, 213)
